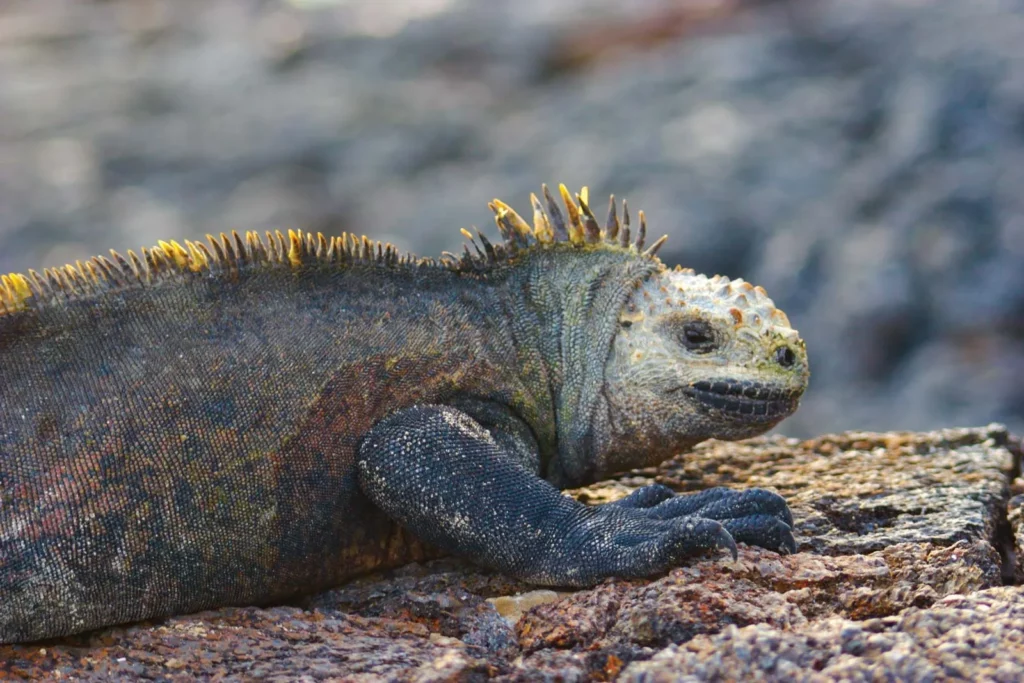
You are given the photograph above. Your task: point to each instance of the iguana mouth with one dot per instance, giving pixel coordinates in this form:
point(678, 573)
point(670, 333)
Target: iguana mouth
point(751, 400)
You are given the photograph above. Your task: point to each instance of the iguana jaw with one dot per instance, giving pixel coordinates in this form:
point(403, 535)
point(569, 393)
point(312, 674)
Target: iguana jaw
point(745, 400)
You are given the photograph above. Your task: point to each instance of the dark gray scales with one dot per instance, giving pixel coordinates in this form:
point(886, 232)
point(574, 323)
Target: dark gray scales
point(495, 510)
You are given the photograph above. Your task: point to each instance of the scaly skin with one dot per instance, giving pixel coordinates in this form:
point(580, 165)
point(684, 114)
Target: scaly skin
point(244, 422)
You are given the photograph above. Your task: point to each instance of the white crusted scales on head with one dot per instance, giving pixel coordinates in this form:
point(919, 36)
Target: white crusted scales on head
point(697, 357)
point(753, 313)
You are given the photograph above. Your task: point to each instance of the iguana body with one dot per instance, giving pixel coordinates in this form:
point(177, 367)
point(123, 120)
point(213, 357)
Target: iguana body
point(244, 422)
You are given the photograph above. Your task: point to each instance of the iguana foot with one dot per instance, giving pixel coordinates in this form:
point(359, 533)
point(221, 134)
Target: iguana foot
point(449, 481)
point(752, 516)
point(452, 483)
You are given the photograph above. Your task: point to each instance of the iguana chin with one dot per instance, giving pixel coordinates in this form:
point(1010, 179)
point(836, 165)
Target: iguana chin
point(245, 421)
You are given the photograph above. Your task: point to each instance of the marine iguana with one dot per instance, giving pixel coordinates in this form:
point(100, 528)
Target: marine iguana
point(253, 419)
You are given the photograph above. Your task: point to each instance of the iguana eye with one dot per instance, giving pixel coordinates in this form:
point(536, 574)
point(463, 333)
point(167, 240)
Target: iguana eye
point(784, 356)
point(698, 336)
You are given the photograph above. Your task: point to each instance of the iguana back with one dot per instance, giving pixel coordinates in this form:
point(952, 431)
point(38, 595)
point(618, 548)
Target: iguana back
point(189, 442)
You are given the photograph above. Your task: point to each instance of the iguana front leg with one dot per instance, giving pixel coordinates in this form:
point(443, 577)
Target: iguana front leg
point(448, 480)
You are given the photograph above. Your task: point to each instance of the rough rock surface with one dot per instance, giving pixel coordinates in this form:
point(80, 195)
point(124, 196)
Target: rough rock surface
point(1015, 517)
point(857, 492)
point(861, 160)
point(914, 593)
point(977, 637)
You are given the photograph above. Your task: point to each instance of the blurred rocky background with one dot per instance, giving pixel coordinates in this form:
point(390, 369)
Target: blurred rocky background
point(861, 159)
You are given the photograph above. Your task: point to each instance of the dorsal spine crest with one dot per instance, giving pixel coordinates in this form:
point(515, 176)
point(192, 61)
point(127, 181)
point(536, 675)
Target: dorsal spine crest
point(230, 254)
point(171, 259)
point(573, 222)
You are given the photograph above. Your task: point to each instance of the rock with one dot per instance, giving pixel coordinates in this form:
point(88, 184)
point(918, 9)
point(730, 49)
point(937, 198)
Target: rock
point(693, 600)
point(760, 588)
point(904, 595)
point(280, 643)
point(457, 603)
point(962, 637)
point(857, 492)
point(1015, 518)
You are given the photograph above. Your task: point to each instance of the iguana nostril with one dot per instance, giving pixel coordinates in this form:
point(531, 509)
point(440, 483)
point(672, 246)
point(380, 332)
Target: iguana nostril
point(784, 356)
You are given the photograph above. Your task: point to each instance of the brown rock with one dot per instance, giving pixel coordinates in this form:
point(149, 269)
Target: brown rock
point(690, 601)
point(558, 666)
point(282, 643)
point(1015, 521)
point(974, 637)
point(761, 588)
point(858, 492)
point(447, 597)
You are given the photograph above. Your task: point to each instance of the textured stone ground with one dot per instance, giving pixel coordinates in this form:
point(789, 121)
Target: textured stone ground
point(976, 637)
point(905, 547)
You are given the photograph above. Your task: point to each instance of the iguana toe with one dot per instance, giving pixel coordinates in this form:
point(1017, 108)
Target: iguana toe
point(753, 516)
point(747, 503)
point(722, 503)
point(764, 531)
point(676, 541)
point(646, 497)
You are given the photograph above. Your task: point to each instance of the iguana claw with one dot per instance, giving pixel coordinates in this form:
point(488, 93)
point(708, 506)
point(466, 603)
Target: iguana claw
point(725, 540)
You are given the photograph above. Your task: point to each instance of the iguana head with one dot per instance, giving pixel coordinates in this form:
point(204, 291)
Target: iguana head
point(697, 358)
point(690, 358)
